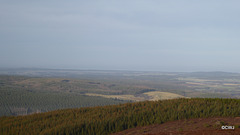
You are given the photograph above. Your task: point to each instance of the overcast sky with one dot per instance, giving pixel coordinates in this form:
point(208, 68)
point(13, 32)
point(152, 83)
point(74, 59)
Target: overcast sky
point(149, 35)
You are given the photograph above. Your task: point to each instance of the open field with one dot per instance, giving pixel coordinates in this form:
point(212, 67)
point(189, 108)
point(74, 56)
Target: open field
point(121, 97)
point(152, 96)
point(231, 84)
point(156, 95)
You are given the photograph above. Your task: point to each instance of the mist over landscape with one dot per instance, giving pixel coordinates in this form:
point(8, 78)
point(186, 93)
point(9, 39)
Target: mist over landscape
point(119, 67)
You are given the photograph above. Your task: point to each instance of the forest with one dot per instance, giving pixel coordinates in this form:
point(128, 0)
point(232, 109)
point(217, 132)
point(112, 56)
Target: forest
point(115, 118)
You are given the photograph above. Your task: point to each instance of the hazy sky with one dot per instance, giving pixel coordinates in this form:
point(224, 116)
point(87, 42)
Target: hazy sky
point(159, 35)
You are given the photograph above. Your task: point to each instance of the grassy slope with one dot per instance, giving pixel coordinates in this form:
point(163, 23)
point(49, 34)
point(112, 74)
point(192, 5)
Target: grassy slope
point(109, 119)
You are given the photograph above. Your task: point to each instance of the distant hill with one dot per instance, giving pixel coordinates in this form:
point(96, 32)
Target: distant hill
point(115, 118)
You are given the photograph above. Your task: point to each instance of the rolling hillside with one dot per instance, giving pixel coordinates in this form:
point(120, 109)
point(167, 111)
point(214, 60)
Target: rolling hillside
point(115, 118)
